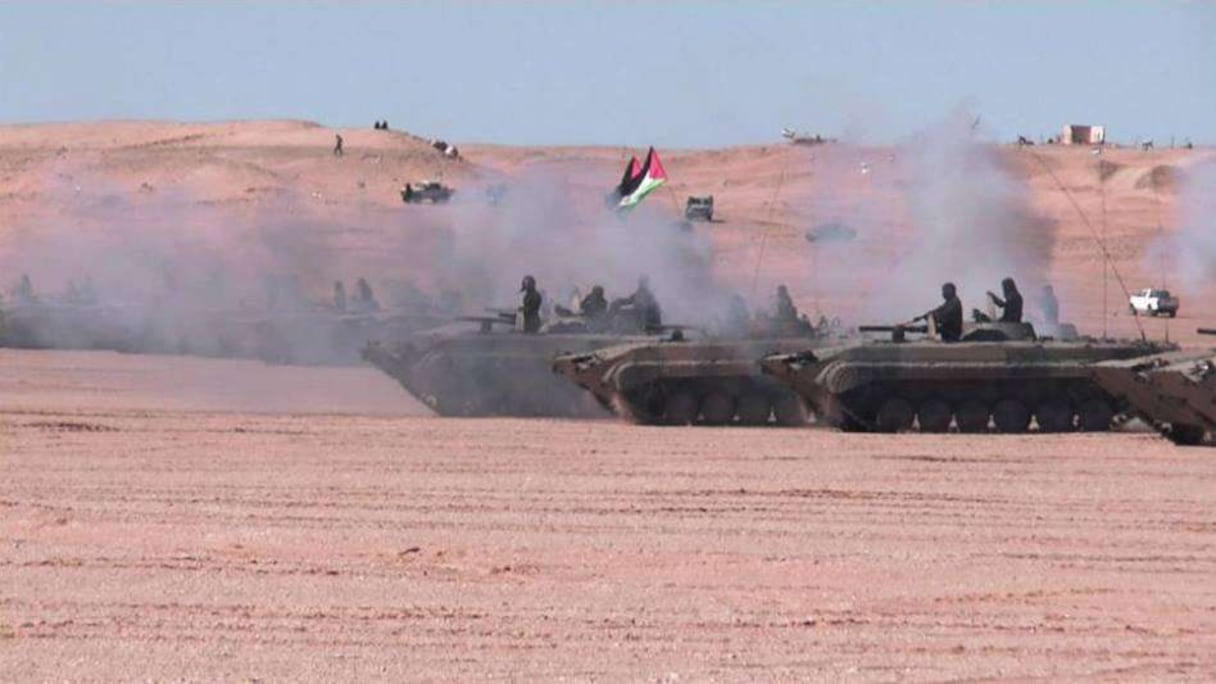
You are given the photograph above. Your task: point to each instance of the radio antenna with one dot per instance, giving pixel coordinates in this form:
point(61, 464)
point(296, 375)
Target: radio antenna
point(772, 203)
point(1094, 234)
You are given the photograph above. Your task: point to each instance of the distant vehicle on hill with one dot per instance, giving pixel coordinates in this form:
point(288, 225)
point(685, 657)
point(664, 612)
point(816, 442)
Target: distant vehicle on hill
point(699, 208)
point(804, 138)
point(429, 190)
point(1153, 303)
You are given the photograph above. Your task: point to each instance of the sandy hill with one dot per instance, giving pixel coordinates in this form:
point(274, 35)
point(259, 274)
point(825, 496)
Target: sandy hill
point(145, 202)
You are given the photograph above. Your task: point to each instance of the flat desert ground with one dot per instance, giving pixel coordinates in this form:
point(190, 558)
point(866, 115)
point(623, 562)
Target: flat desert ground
point(168, 518)
point(156, 533)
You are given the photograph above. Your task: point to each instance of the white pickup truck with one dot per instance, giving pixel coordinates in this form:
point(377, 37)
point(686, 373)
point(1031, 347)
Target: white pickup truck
point(1154, 303)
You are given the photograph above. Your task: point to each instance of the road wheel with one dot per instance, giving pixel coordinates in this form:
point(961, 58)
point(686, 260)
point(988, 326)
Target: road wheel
point(1095, 415)
point(934, 416)
point(681, 408)
point(1185, 435)
point(1054, 416)
point(895, 415)
point(718, 408)
point(754, 409)
point(971, 416)
point(1011, 416)
point(789, 410)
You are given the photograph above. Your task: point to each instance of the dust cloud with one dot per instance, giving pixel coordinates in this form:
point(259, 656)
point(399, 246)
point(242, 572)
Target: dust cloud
point(172, 271)
point(546, 228)
point(1192, 248)
point(942, 206)
point(170, 268)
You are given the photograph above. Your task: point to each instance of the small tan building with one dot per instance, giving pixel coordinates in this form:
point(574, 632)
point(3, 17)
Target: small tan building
point(1083, 135)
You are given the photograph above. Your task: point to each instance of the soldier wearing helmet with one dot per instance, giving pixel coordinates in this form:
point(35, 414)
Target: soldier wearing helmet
point(531, 305)
point(948, 317)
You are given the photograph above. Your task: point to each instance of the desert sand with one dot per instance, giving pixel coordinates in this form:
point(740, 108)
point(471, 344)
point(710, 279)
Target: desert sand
point(150, 534)
point(174, 518)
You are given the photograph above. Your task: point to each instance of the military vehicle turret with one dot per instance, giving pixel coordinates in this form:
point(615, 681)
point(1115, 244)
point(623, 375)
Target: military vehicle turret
point(492, 368)
point(1175, 392)
point(705, 382)
point(999, 375)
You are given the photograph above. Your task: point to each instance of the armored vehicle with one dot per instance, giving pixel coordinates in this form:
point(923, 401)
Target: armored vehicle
point(42, 325)
point(290, 337)
point(311, 337)
point(494, 369)
point(1175, 392)
point(999, 374)
point(705, 382)
point(699, 208)
point(432, 191)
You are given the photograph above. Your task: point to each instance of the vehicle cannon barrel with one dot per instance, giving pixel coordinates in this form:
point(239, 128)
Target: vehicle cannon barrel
point(1206, 331)
point(893, 328)
point(897, 331)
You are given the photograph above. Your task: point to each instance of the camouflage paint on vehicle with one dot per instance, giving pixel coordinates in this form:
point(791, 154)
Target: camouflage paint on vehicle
point(991, 379)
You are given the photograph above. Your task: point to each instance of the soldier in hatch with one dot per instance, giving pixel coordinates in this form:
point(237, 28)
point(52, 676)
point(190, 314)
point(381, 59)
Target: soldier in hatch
point(594, 305)
point(364, 296)
point(948, 318)
point(339, 296)
point(531, 305)
point(1011, 305)
point(1050, 306)
point(645, 306)
point(738, 319)
point(786, 311)
point(24, 294)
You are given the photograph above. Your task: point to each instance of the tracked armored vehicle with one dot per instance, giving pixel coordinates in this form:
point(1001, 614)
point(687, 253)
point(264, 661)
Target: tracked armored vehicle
point(999, 375)
point(1175, 392)
point(63, 326)
point(288, 337)
point(313, 337)
point(704, 382)
point(493, 369)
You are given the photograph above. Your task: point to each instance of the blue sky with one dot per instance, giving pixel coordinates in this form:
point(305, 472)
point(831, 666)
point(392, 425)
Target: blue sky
point(675, 74)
